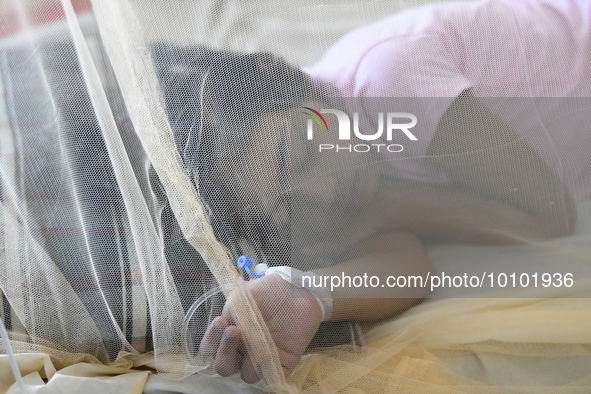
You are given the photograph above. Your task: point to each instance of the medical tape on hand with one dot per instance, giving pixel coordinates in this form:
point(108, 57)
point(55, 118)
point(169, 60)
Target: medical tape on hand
point(294, 276)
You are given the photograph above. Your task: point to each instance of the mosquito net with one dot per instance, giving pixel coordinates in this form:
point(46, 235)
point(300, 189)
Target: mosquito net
point(408, 184)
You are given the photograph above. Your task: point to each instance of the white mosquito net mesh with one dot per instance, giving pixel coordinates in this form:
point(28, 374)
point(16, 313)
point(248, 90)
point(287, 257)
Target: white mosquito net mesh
point(432, 169)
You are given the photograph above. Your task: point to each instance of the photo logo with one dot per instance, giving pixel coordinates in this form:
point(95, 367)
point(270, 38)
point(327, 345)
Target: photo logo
point(392, 124)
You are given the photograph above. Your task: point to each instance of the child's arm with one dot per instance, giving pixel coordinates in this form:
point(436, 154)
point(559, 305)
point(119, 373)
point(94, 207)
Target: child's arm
point(293, 316)
point(457, 214)
point(383, 255)
point(503, 192)
point(484, 154)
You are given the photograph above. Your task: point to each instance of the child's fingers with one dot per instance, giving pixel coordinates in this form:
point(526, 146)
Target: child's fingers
point(213, 336)
point(228, 359)
point(248, 372)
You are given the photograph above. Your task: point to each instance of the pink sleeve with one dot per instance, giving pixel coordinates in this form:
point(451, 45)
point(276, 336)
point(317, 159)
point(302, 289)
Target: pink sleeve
point(425, 76)
point(417, 67)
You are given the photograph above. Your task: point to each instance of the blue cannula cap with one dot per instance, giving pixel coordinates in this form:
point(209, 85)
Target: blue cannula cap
point(246, 263)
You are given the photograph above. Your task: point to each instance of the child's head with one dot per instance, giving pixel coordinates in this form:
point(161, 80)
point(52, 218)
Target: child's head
point(215, 102)
point(234, 117)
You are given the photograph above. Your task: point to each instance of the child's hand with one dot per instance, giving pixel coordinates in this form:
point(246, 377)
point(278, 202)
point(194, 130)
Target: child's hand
point(292, 322)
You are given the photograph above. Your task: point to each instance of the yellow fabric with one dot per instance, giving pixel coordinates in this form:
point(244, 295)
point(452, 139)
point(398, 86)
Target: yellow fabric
point(404, 355)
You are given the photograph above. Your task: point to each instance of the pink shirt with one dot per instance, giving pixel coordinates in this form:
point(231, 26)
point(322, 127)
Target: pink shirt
point(497, 48)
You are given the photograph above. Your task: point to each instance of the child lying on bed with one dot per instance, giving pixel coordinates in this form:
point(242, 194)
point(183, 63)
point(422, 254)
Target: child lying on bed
point(465, 52)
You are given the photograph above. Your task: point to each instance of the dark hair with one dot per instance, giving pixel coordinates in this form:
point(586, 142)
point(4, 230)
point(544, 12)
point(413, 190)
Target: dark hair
point(211, 97)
